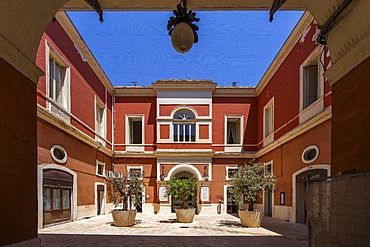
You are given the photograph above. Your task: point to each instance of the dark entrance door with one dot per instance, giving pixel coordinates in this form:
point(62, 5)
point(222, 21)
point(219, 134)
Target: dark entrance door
point(301, 186)
point(268, 203)
point(232, 207)
point(57, 192)
point(99, 199)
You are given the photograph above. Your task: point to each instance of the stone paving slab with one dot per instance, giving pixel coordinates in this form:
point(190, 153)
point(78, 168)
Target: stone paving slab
point(163, 230)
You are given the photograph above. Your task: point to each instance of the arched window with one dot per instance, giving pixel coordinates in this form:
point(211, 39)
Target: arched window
point(184, 126)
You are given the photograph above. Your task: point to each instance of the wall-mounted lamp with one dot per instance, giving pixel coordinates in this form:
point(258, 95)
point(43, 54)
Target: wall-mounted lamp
point(162, 175)
point(205, 174)
point(147, 196)
point(181, 29)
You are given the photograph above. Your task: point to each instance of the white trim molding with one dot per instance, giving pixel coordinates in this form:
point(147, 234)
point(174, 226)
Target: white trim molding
point(40, 186)
point(318, 106)
point(184, 167)
point(294, 183)
point(237, 147)
point(104, 203)
point(130, 146)
point(308, 149)
point(227, 172)
point(268, 137)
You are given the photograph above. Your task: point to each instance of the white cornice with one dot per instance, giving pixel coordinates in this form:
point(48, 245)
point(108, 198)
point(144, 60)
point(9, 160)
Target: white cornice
point(350, 60)
point(18, 60)
point(124, 154)
point(235, 92)
point(184, 84)
point(284, 51)
point(134, 91)
point(72, 32)
point(183, 152)
point(44, 115)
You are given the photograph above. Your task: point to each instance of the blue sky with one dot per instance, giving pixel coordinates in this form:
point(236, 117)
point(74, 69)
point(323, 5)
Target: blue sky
point(234, 46)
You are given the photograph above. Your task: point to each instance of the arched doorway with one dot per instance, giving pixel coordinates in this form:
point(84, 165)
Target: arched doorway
point(301, 183)
point(57, 196)
point(192, 201)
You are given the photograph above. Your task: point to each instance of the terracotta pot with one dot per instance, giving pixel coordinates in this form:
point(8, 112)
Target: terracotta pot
point(250, 218)
point(156, 207)
point(124, 218)
point(185, 215)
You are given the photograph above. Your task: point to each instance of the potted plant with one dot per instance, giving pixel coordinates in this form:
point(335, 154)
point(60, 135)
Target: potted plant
point(249, 183)
point(181, 189)
point(126, 194)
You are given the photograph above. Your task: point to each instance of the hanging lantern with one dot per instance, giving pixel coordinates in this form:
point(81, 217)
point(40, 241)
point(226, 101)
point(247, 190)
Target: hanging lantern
point(181, 29)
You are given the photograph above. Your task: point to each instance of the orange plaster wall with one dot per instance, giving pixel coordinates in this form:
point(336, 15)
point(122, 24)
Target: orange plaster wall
point(246, 106)
point(150, 170)
point(287, 157)
point(351, 118)
point(165, 131)
point(84, 83)
point(135, 105)
point(18, 176)
point(284, 87)
point(203, 131)
point(81, 159)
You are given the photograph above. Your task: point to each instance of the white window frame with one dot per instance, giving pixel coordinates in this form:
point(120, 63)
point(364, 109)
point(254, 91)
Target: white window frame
point(306, 150)
point(99, 163)
point(135, 167)
point(61, 149)
point(269, 137)
point(271, 164)
point(135, 147)
point(59, 110)
point(227, 172)
point(238, 147)
point(173, 122)
point(316, 107)
point(100, 137)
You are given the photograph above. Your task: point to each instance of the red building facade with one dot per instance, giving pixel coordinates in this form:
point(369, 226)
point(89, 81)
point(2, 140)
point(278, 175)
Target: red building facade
point(179, 128)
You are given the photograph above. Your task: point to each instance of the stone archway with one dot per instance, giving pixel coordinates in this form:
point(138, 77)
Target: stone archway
point(299, 184)
point(185, 172)
point(42, 169)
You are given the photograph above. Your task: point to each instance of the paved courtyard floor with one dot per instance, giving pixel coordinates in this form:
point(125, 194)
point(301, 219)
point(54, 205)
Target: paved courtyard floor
point(163, 230)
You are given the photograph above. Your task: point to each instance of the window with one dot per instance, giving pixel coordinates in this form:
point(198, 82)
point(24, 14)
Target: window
point(100, 168)
point(58, 154)
point(58, 83)
point(311, 96)
point(136, 133)
point(310, 83)
point(268, 169)
point(184, 126)
point(135, 171)
point(231, 172)
point(100, 120)
point(233, 131)
point(310, 154)
point(268, 122)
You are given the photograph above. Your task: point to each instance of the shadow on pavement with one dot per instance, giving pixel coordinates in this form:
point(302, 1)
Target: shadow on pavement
point(81, 240)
